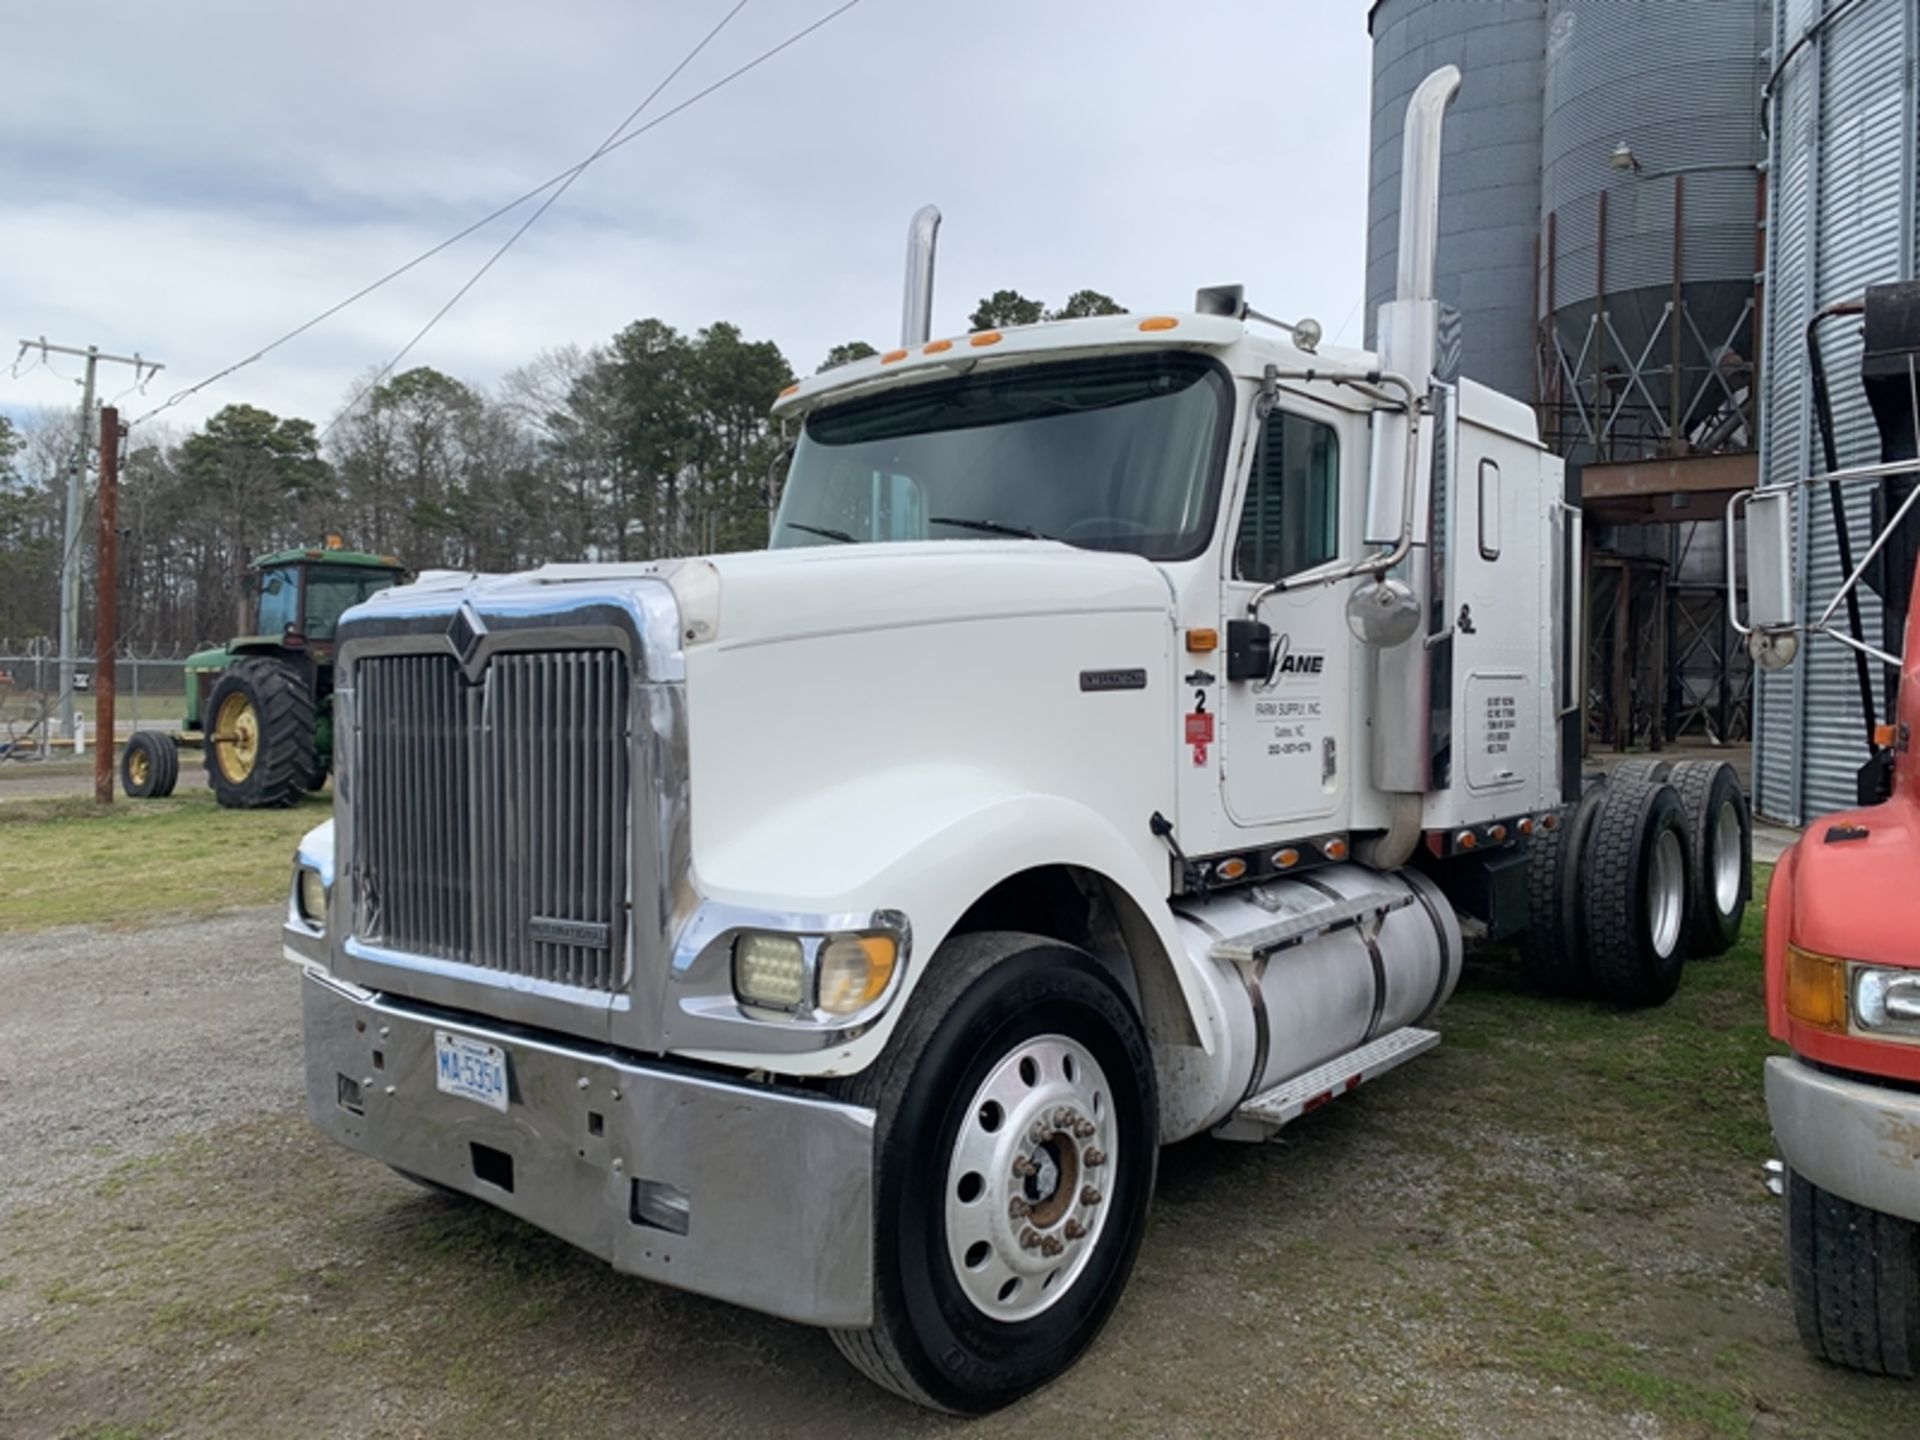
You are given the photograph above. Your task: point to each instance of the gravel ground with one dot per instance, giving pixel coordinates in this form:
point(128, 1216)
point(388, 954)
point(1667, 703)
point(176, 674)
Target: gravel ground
point(20, 780)
point(1508, 1238)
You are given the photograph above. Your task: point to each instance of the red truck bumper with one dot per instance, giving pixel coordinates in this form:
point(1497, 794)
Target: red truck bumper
point(1854, 1139)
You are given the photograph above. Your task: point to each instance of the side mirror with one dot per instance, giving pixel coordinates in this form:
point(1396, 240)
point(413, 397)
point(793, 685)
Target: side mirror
point(1772, 626)
point(1249, 650)
point(1770, 598)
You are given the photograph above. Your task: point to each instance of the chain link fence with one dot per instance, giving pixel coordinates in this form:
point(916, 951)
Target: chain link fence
point(150, 694)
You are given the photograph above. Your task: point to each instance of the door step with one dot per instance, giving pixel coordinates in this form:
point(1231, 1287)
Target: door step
point(1306, 924)
point(1261, 1116)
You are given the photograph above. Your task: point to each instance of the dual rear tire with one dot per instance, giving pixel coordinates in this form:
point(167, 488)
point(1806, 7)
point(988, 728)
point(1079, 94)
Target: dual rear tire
point(1647, 869)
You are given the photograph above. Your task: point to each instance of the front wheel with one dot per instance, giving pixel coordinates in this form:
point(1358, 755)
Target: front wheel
point(1855, 1278)
point(1016, 1143)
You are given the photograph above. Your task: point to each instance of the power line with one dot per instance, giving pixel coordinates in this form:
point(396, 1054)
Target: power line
point(527, 224)
point(563, 177)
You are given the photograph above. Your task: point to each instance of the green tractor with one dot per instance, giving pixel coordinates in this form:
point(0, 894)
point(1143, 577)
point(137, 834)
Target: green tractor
point(261, 705)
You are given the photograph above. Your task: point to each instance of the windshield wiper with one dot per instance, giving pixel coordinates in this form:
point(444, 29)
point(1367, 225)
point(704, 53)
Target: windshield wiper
point(842, 536)
point(990, 527)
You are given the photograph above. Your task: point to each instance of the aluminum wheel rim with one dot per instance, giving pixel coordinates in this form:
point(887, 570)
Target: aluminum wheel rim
point(1029, 1176)
point(236, 739)
point(1726, 859)
point(1666, 893)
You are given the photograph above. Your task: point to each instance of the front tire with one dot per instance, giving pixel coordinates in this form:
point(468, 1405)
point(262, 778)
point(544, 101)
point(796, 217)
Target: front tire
point(1016, 1142)
point(1855, 1278)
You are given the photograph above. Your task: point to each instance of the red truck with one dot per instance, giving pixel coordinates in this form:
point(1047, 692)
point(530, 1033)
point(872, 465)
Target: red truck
point(1843, 914)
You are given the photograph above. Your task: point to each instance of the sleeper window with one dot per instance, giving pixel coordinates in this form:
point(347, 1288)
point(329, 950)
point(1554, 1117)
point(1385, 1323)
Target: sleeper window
point(1291, 519)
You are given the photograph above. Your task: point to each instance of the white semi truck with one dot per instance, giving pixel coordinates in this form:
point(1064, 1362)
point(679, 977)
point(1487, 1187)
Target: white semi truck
point(1126, 722)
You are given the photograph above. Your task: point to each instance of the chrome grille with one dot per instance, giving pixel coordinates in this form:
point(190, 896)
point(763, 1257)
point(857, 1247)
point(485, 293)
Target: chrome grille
point(490, 820)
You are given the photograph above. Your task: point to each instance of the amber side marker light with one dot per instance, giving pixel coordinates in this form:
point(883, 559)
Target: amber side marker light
point(1200, 642)
point(1816, 989)
point(1884, 736)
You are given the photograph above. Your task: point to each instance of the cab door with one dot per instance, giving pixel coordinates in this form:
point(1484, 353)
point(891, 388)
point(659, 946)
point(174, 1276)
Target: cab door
point(1285, 738)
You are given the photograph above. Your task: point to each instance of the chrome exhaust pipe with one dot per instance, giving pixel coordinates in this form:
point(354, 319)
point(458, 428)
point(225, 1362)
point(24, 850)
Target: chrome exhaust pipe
point(1420, 183)
point(916, 313)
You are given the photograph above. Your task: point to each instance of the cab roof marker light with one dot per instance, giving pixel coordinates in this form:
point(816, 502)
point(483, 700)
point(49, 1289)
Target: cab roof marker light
point(893, 356)
point(936, 347)
point(986, 337)
point(1159, 322)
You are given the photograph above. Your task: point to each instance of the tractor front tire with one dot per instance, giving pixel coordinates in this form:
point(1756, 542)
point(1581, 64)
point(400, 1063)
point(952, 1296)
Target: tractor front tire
point(1016, 1138)
point(260, 734)
point(149, 766)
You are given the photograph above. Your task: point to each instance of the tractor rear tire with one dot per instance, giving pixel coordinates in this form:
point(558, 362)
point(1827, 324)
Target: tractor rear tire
point(1636, 870)
point(1854, 1274)
point(1721, 827)
point(1554, 946)
point(260, 734)
point(149, 766)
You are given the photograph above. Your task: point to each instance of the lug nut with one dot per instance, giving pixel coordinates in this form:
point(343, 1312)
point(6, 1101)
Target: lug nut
point(1030, 1239)
point(1023, 1167)
point(1051, 1245)
point(1018, 1208)
point(1036, 1132)
point(1074, 1230)
point(1083, 1129)
point(1089, 1196)
point(1094, 1157)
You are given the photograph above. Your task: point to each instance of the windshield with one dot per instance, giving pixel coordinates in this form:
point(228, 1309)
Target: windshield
point(1121, 454)
point(331, 592)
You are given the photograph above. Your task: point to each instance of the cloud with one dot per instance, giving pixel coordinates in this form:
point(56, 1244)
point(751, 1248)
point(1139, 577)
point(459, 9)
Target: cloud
point(236, 168)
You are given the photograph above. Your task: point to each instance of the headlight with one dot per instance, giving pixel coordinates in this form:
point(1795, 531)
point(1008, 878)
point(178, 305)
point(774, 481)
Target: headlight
point(311, 891)
point(839, 974)
point(770, 971)
point(854, 971)
point(1816, 989)
point(1887, 999)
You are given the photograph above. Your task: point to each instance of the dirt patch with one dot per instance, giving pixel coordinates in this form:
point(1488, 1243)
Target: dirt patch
point(1552, 1226)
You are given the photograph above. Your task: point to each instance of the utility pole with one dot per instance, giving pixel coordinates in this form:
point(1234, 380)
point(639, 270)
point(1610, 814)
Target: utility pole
point(106, 606)
point(77, 504)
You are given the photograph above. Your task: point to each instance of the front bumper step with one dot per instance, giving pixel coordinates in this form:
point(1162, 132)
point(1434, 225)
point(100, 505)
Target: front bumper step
point(757, 1196)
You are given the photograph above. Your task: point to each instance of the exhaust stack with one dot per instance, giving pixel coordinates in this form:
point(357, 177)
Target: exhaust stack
point(916, 312)
point(1420, 183)
point(1404, 740)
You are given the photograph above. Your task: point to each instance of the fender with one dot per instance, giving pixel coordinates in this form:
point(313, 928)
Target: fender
point(928, 841)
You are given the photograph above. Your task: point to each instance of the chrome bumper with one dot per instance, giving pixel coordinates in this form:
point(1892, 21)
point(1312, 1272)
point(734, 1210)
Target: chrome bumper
point(1855, 1140)
point(767, 1194)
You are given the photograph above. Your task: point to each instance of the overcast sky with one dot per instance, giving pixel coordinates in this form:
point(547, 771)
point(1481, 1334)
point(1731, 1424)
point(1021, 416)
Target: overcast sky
point(190, 181)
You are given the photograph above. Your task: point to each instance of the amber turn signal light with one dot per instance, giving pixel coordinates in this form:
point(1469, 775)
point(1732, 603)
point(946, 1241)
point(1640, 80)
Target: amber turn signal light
point(1816, 989)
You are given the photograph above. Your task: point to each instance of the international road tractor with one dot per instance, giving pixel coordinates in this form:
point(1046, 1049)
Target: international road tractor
point(1127, 723)
point(1843, 969)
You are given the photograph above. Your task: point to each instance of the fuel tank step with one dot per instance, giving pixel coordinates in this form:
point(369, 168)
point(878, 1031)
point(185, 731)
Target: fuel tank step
point(1319, 917)
point(1263, 1114)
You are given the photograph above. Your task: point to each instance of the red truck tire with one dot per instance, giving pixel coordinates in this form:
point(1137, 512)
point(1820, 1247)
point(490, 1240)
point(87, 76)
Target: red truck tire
point(1855, 1278)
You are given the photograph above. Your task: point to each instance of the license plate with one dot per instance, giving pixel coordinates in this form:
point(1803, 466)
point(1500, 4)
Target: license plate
point(471, 1068)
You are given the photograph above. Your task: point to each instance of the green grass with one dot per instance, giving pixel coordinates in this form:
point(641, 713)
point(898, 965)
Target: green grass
point(71, 862)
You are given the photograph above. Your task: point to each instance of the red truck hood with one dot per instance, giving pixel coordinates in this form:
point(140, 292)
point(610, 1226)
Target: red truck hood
point(1860, 899)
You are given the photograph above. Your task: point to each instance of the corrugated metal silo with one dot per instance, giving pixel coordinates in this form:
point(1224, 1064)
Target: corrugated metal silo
point(1490, 205)
point(1841, 217)
point(1649, 196)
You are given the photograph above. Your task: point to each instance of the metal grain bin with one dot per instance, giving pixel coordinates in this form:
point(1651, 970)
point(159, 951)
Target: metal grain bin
point(1841, 217)
point(1649, 194)
point(1490, 200)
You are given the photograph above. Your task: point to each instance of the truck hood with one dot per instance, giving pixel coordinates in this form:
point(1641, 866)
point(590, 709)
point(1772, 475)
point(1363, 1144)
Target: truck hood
point(774, 595)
